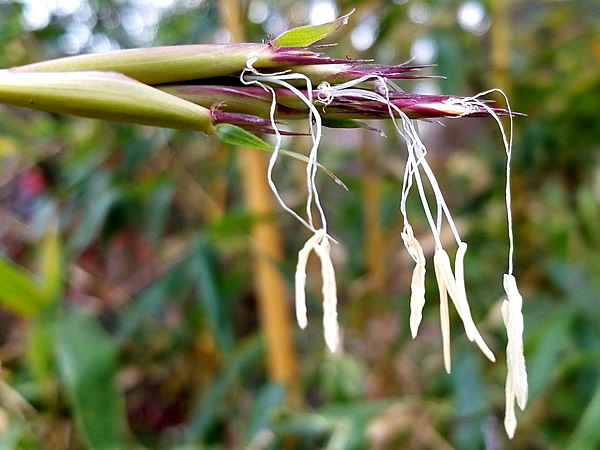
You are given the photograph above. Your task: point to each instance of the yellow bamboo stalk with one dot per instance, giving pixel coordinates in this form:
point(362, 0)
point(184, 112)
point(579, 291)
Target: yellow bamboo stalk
point(271, 291)
point(371, 198)
point(500, 45)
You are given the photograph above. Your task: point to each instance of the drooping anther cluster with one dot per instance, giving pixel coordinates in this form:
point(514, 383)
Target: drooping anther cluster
point(376, 97)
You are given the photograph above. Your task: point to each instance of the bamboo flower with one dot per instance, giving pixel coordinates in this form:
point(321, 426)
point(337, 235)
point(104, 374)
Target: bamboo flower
point(255, 101)
point(260, 87)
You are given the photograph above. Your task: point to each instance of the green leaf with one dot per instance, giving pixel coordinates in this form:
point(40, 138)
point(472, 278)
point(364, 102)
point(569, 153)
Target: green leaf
point(87, 361)
point(586, 434)
point(306, 425)
point(351, 422)
point(348, 435)
point(216, 308)
point(358, 410)
point(22, 292)
point(98, 203)
point(40, 353)
point(346, 422)
point(469, 400)
point(175, 283)
point(19, 290)
point(233, 223)
point(549, 340)
point(208, 409)
point(342, 378)
point(160, 200)
point(51, 267)
point(308, 35)
point(268, 399)
point(211, 404)
point(234, 135)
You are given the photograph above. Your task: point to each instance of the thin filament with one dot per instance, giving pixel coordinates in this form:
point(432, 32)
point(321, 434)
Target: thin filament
point(316, 132)
point(508, 141)
point(277, 147)
point(415, 146)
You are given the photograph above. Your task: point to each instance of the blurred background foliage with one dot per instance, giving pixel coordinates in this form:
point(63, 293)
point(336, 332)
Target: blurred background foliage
point(129, 315)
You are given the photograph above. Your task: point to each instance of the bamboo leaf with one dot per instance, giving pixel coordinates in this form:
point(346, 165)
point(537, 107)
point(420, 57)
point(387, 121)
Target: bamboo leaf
point(87, 361)
point(210, 295)
point(469, 398)
point(51, 268)
point(234, 135)
point(209, 407)
point(308, 35)
point(267, 401)
point(586, 434)
point(548, 339)
point(19, 290)
point(98, 202)
point(40, 352)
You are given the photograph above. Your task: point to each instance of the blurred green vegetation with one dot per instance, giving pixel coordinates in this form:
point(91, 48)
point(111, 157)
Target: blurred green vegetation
point(129, 317)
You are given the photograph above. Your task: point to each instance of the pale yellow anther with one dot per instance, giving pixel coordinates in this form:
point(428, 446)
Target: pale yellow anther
point(319, 242)
point(516, 377)
point(452, 107)
point(417, 285)
point(463, 305)
point(454, 285)
point(442, 282)
point(300, 278)
point(330, 322)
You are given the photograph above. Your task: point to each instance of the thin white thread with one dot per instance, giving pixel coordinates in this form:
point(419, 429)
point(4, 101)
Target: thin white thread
point(416, 149)
point(448, 283)
point(516, 378)
point(319, 242)
point(316, 132)
point(470, 103)
point(277, 147)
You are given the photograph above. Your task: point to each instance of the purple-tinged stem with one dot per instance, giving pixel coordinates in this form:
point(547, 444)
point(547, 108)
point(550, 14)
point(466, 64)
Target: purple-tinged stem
point(256, 101)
